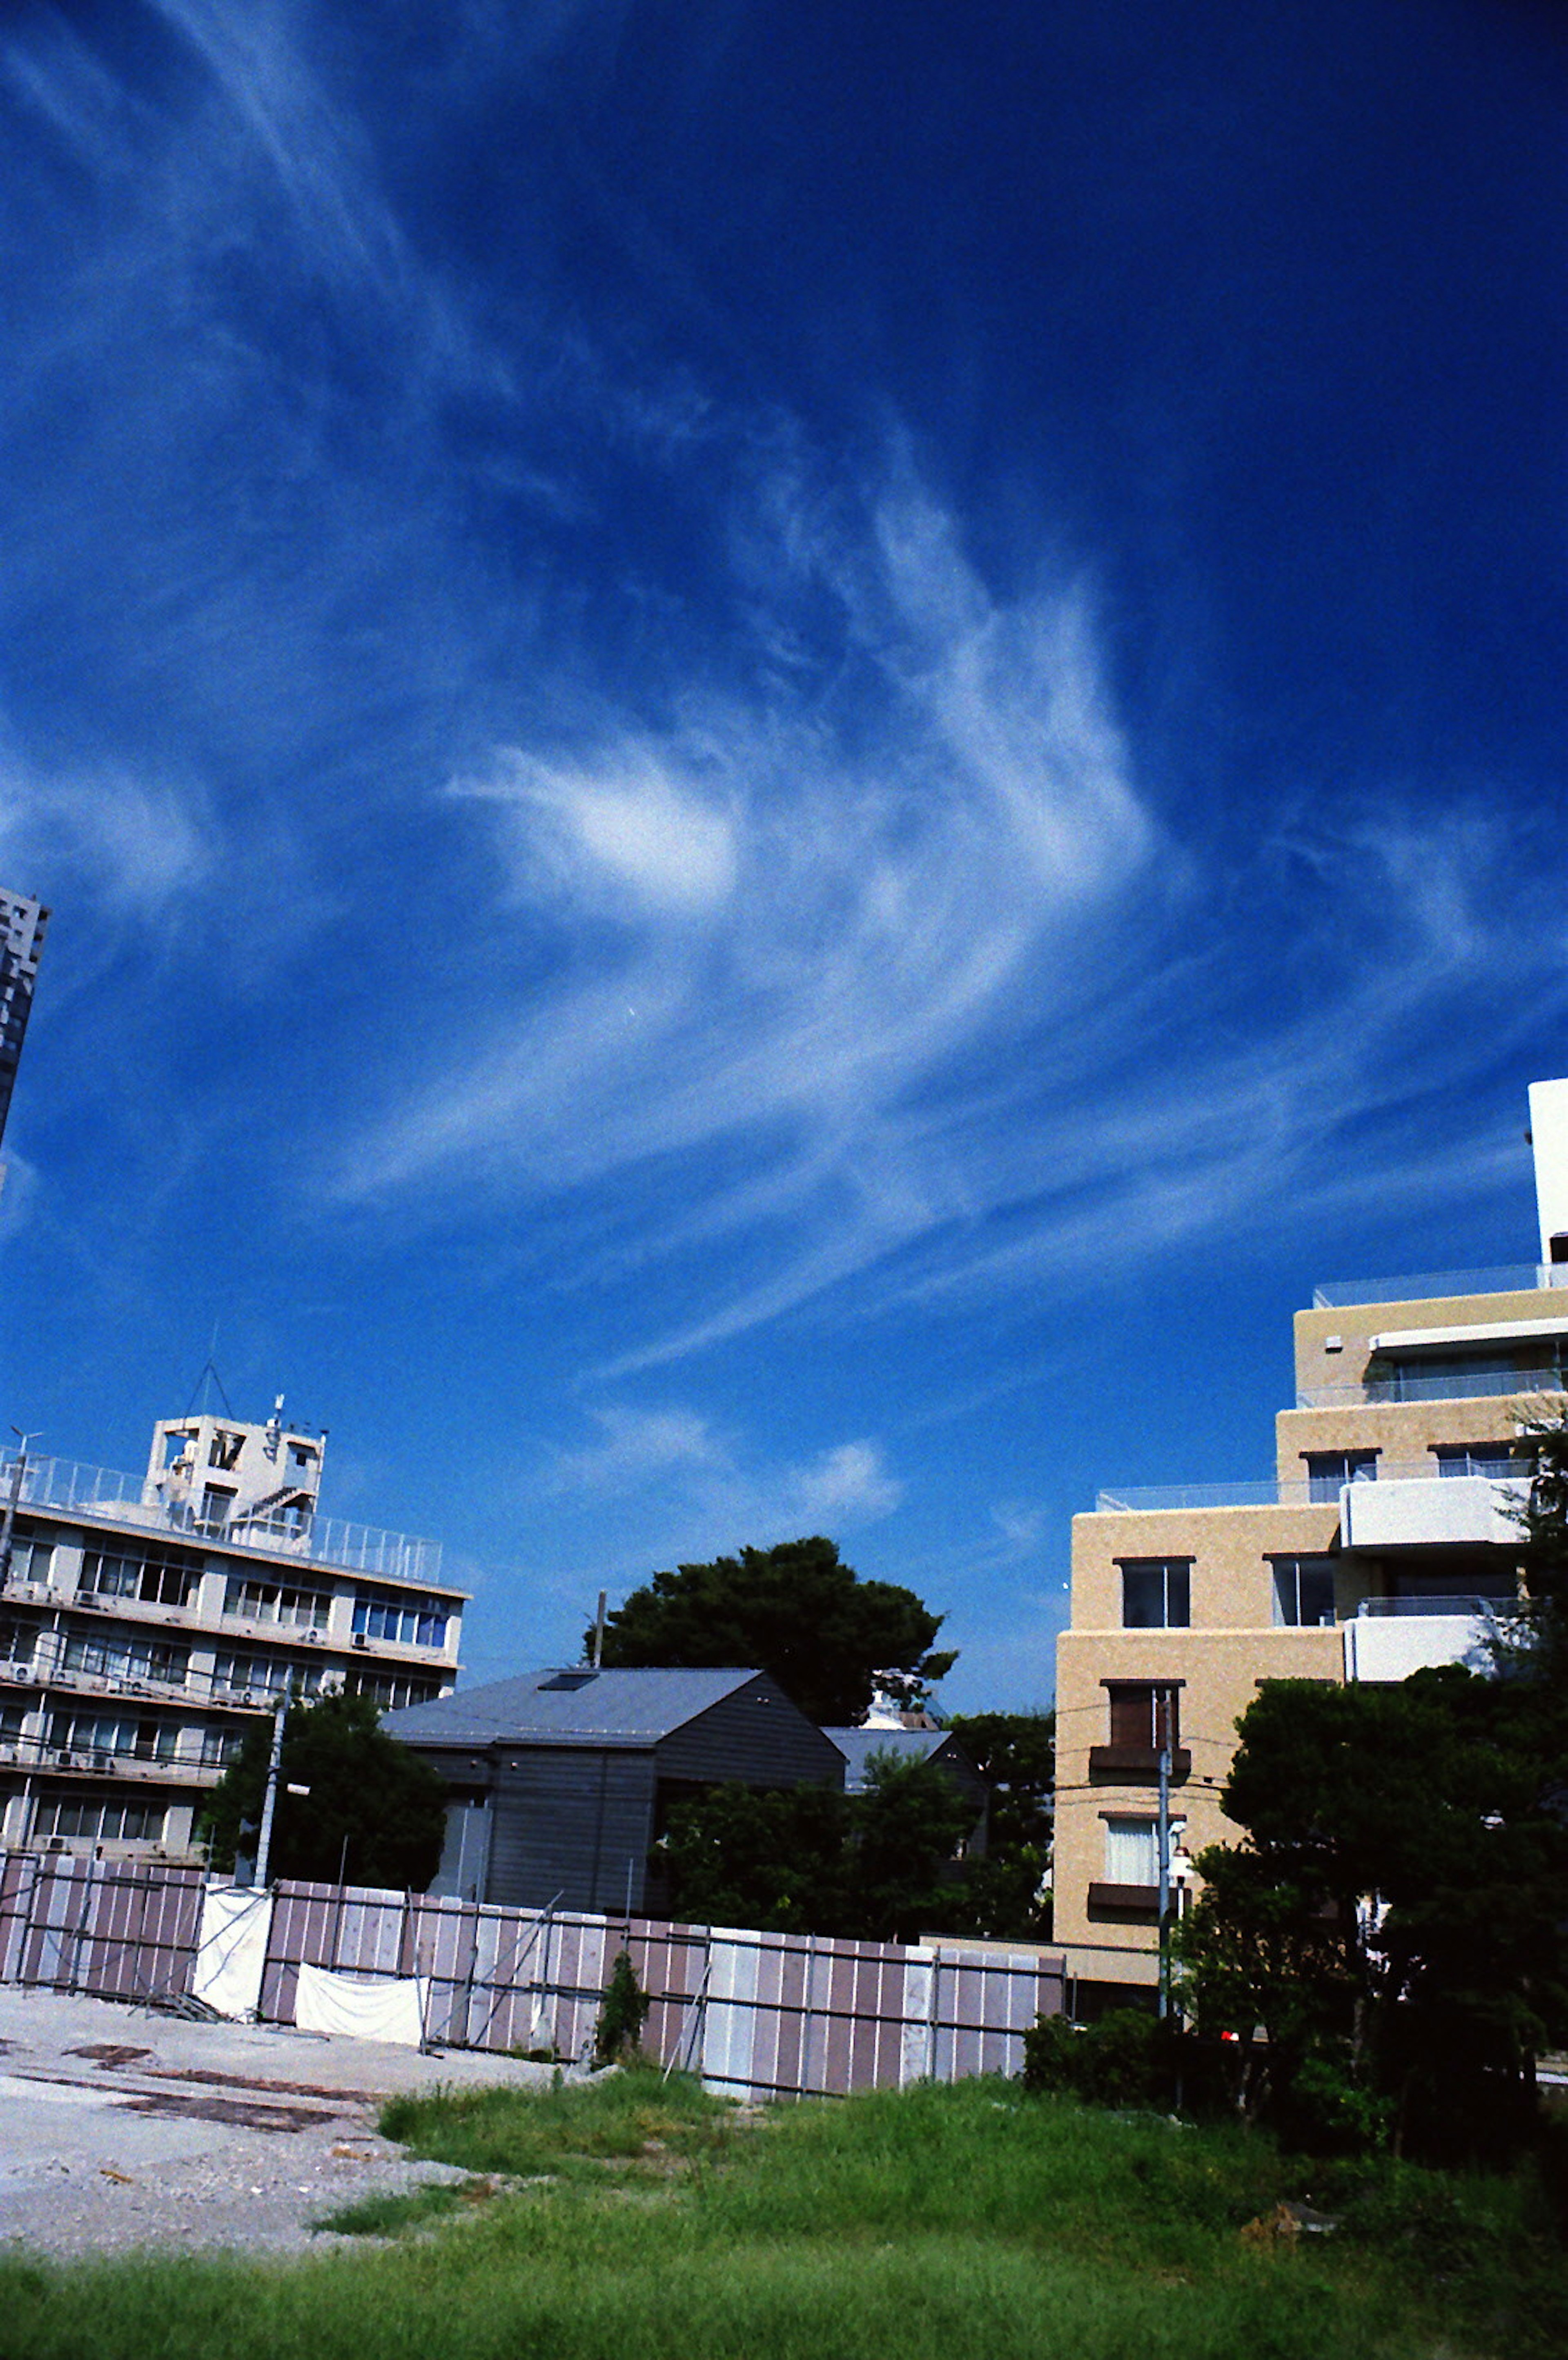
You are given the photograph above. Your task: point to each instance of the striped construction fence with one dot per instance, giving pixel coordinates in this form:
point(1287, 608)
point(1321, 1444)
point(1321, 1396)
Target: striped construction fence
point(756, 2014)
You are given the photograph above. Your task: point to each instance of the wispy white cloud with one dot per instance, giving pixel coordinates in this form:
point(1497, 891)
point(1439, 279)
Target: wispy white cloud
point(132, 845)
point(911, 979)
point(707, 1489)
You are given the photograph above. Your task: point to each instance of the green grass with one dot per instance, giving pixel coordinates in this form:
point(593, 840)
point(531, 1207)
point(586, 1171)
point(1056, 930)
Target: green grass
point(969, 2223)
point(392, 2216)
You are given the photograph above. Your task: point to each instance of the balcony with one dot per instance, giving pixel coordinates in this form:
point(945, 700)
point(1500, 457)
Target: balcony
point(104, 1496)
point(1135, 1764)
point(1392, 1637)
point(1433, 1512)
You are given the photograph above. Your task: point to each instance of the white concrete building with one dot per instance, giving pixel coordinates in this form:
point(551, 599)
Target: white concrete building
point(146, 1621)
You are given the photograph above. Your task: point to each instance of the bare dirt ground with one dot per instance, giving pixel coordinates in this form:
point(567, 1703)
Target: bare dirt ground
point(120, 2127)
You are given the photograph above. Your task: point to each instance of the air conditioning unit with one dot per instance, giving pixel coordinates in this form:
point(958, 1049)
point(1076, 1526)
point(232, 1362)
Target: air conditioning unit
point(317, 1638)
point(7, 1753)
point(57, 1843)
point(360, 1640)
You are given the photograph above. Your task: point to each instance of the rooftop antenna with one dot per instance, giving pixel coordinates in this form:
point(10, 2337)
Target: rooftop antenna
point(209, 1376)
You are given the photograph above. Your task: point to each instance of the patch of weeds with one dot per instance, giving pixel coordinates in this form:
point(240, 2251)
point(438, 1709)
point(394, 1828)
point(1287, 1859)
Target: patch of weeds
point(626, 2117)
point(391, 2216)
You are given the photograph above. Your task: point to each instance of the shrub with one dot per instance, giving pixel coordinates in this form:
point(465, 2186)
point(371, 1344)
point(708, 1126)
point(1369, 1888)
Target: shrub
point(621, 2014)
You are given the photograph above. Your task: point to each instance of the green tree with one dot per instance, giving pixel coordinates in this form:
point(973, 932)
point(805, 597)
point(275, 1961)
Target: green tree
point(1006, 1893)
point(1395, 1911)
point(830, 1639)
point(877, 1866)
point(373, 1806)
point(1536, 1638)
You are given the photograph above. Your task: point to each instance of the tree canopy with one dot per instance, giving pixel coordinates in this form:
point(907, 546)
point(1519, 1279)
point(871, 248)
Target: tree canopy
point(1393, 1918)
point(877, 1866)
point(1006, 1893)
point(830, 1639)
point(1538, 1638)
point(374, 1808)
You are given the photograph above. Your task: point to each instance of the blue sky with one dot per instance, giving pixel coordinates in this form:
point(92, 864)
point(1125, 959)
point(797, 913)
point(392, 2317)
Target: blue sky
point(784, 755)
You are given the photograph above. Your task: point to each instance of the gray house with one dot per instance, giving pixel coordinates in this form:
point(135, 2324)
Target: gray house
point(560, 1782)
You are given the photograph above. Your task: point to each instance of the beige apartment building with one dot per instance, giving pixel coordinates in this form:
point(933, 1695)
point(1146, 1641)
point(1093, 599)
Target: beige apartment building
point(147, 1620)
point(1383, 1542)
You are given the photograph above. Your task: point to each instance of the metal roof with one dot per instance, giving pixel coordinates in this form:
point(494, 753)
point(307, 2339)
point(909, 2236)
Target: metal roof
point(858, 1745)
point(571, 1705)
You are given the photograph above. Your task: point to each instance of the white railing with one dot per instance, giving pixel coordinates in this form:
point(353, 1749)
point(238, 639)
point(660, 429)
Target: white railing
point(133, 1499)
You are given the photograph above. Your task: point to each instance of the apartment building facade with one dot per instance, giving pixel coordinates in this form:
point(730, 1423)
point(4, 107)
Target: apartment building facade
point(23, 923)
point(147, 1621)
point(1384, 1540)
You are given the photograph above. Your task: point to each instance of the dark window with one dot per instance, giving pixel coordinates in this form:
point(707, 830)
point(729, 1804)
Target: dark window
point(1328, 1470)
point(1157, 1593)
point(1496, 1460)
point(1304, 1589)
point(1145, 1715)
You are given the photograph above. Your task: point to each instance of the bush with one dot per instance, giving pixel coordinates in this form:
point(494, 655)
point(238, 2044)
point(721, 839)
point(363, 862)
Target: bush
point(621, 2014)
point(1122, 2060)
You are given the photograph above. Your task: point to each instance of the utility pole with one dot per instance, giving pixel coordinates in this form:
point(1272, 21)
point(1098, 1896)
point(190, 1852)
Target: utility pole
point(264, 1841)
point(1163, 1840)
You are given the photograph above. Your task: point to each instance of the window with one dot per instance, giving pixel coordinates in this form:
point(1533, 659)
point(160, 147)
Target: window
point(89, 1733)
point(31, 1560)
point(263, 1675)
point(17, 1641)
point(1328, 1470)
point(1497, 1460)
point(126, 1659)
point(155, 1579)
point(1157, 1593)
point(392, 1694)
point(224, 1452)
point(408, 1621)
point(219, 1747)
point(276, 1602)
point(1304, 1589)
point(65, 1815)
point(1145, 1714)
point(1131, 1850)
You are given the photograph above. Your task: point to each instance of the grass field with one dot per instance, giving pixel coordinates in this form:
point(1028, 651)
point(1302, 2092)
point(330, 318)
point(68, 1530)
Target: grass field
point(968, 2224)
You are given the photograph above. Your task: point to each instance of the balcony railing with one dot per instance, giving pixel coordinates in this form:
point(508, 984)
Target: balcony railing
point(111, 1497)
point(1292, 1491)
point(1454, 1384)
point(1519, 1278)
point(1138, 1499)
point(1480, 1608)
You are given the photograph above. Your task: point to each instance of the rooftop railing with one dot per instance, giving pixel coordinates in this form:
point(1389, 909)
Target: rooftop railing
point(1518, 1278)
point(112, 1497)
point(1292, 1491)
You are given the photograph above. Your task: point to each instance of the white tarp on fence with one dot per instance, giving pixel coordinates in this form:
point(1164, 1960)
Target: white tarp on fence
point(365, 2010)
point(231, 1949)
